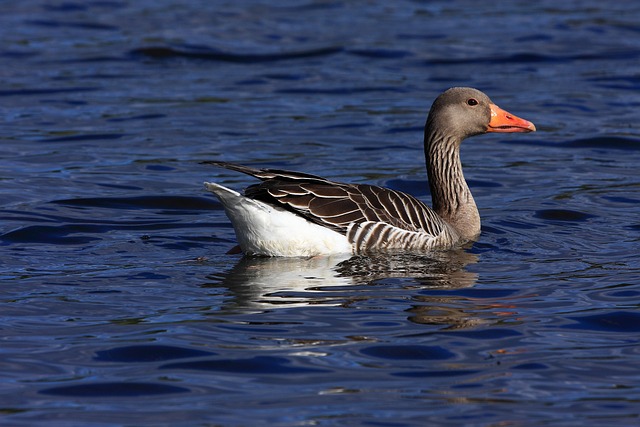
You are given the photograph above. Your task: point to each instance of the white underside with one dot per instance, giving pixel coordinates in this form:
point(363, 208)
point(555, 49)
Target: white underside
point(262, 229)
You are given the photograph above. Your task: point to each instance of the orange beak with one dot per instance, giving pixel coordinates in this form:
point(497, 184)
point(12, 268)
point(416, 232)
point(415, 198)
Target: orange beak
point(503, 121)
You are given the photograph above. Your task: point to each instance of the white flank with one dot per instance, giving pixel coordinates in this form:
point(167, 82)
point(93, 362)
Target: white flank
point(262, 229)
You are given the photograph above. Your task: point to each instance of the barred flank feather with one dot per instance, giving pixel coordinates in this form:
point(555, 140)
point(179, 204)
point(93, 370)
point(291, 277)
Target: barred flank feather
point(370, 235)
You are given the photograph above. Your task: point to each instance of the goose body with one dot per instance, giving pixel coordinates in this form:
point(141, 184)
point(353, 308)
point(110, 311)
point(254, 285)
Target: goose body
point(298, 214)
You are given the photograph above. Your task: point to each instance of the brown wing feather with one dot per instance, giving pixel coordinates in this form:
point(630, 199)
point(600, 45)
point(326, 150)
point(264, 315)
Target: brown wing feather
point(337, 205)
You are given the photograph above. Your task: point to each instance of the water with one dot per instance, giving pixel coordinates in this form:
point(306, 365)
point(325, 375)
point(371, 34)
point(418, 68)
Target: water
point(120, 307)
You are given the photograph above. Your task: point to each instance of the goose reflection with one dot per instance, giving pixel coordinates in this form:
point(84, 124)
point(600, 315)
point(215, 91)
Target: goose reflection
point(258, 283)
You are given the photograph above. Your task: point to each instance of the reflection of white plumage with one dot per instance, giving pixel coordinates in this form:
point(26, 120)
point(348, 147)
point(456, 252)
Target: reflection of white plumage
point(277, 282)
point(297, 214)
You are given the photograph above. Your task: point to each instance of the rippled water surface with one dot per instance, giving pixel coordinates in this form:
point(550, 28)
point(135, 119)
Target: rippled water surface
point(120, 305)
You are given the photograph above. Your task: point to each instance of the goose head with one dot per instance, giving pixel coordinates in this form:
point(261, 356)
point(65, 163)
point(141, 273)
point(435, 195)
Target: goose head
point(461, 112)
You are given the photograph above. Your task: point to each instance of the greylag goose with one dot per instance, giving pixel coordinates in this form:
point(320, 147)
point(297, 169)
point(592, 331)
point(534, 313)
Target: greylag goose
point(298, 214)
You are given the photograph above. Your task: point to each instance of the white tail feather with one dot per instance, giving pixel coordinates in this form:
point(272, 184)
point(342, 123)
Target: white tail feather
point(263, 229)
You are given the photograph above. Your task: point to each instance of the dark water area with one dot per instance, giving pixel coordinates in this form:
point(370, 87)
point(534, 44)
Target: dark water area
point(120, 306)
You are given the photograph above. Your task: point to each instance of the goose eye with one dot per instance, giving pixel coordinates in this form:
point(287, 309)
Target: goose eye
point(472, 102)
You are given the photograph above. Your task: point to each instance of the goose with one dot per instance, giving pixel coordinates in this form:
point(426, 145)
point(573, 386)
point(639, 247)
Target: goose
point(296, 214)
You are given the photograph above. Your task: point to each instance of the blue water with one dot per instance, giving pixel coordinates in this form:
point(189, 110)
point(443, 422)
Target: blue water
point(120, 305)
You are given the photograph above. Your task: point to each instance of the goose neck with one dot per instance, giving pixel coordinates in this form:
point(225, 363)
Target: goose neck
point(451, 197)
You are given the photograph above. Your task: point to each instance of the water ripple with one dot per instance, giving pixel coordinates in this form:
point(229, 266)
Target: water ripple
point(114, 389)
point(208, 54)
